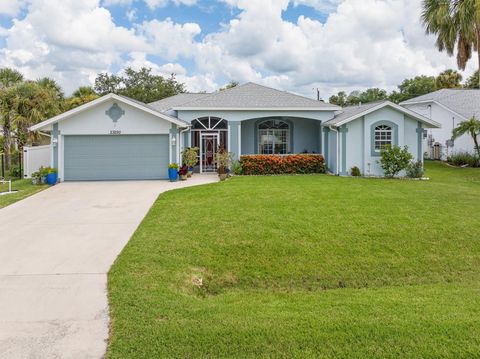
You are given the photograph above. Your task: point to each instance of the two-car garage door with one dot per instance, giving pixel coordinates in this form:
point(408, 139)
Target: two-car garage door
point(116, 157)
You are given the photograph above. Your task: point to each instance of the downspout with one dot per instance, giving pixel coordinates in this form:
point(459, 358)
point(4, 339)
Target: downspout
point(180, 145)
point(338, 148)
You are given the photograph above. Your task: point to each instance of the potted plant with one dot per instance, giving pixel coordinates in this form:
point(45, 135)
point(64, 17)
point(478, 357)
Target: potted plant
point(190, 158)
point(183, 172)
point(173, 172)
point(43, 172)
point(223, 158)
point(36, 178)
point(51, 176)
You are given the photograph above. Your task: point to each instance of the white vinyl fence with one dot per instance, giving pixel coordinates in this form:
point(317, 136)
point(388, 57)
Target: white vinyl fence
point(34, 158)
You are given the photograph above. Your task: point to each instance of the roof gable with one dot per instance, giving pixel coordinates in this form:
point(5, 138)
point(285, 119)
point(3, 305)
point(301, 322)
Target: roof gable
point(352, 113)
point(255, 97)
point(126, 100)
point(464, 102)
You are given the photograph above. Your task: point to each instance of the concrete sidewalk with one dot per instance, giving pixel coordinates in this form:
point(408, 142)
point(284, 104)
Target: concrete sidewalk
point(56, 248)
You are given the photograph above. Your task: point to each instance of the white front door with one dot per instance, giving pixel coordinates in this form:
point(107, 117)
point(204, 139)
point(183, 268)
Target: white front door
point(208, 149)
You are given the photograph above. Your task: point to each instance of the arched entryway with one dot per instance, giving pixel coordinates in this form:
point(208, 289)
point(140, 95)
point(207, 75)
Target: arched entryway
point(208, 133)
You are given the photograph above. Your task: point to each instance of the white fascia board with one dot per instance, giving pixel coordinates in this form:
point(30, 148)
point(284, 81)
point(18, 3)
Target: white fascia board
point(256, 109)
point(79, 109)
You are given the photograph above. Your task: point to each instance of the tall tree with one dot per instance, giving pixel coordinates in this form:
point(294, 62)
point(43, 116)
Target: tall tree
point(79, 97)
point(372, 95)
point(473, 82)
point(448, 79)
point(140, 85)
point(456, 23)
point(8, 78)
point(472, 127)
point(340, 99)
point(31, 102)
point(410, 88)
point(230, 85)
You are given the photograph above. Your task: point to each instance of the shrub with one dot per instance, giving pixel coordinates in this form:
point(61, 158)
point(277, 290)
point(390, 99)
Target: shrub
point(223, 159)
point(15, 172)
point(394, 159)
point(173, 166)
point(464, 159)
point(278, 164)
point(190, 156)
point(237, 168)
point(415, 169)
point(355, 171)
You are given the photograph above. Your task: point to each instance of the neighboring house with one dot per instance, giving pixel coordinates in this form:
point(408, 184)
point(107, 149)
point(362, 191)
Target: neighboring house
point(448, 107)
point(115, 137)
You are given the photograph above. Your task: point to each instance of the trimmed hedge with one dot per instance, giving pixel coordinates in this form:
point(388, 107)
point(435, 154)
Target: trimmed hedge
point(282, 164)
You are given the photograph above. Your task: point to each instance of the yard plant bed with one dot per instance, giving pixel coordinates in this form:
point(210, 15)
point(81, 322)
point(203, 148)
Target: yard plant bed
point(304, 266)
point(23, 187)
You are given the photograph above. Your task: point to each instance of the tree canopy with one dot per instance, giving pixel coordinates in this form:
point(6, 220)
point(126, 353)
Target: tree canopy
point(473, 82)
point(140, 85)
point(449, 79)
point(456, 23)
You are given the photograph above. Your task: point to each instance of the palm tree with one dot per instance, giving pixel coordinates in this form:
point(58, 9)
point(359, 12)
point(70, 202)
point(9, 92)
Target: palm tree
point(472, 127)
point(51, 84)
point(8, 78)
point(79, 97)
point(456, 24)
point(84, 91)
point(32, 103)
point(449, 79)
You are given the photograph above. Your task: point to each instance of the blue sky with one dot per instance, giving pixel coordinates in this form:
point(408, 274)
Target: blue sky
point(294, 45)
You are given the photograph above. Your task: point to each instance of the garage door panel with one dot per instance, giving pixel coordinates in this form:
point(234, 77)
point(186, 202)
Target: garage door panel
point(126, 157)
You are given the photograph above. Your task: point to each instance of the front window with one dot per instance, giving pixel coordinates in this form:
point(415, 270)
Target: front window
point(383, 137)
point(273, 137)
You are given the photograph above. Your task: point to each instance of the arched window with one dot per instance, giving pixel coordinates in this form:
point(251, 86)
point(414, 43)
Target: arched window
point(383, 137)
point(273, 137)
point(209, 123)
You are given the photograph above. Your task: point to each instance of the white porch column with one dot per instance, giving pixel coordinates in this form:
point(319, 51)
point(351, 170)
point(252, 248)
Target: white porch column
point(235, 139)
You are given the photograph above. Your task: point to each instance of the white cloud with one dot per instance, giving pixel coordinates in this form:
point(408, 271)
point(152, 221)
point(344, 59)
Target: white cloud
point(117, 2)
point(320, 5)
point(63, 44)
point(11, 7)
point(361, 44)
point(168, 39)
point(131, 15)
point(152, 4)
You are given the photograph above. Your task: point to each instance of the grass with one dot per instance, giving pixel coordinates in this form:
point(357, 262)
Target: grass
point(304, 266)
point(24, 188)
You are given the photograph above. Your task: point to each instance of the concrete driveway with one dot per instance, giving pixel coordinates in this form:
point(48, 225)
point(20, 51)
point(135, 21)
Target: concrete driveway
point(56, 248)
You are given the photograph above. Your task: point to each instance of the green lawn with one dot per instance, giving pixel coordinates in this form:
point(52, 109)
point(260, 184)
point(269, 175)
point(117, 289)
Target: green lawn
point(24, 188)
point(304, 266)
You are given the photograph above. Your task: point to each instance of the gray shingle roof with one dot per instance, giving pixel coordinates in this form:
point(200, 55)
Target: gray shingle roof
point(254, 96)
point(177, 100)
point(351, 111)
point(462, 101)
point(153, 109)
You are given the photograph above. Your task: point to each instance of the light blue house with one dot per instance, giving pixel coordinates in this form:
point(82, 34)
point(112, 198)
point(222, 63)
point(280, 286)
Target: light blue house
point(114, 137)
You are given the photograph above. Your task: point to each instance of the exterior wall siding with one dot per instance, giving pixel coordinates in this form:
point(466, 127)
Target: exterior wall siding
point(96, 122)
point(354, 145)
point(449, 120)
point(332, 151)
point(359, 140)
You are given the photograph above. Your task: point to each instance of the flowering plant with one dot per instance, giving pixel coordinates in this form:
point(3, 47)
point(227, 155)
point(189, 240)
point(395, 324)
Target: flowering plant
point(282, 164)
